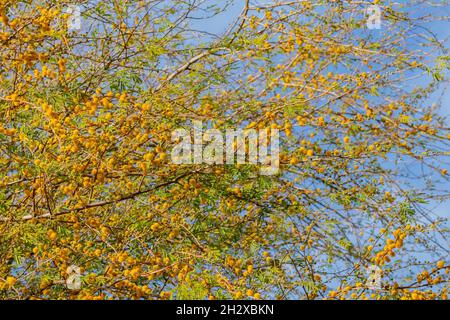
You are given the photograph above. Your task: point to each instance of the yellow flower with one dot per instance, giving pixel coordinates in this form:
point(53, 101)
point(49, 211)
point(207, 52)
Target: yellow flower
point(294, 160)
point(10, 281)
point(52, 235)
point(4, 19)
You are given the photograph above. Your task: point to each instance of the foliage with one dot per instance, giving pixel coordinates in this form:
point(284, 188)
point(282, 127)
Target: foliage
point(85, 134)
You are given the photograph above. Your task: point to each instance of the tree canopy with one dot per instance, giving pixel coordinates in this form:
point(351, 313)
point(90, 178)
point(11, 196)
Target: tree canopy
point(86, 178)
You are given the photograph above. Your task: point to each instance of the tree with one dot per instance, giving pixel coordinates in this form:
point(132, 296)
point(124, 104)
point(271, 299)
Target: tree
point(86, 179)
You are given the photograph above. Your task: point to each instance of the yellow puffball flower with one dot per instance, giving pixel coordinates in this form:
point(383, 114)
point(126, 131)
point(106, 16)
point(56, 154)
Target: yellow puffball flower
point(294, 160)
point(10, 281)
point(4, 19)
point(440, 264)
point(155, 226)
point(52, 235)
point(346, 139)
